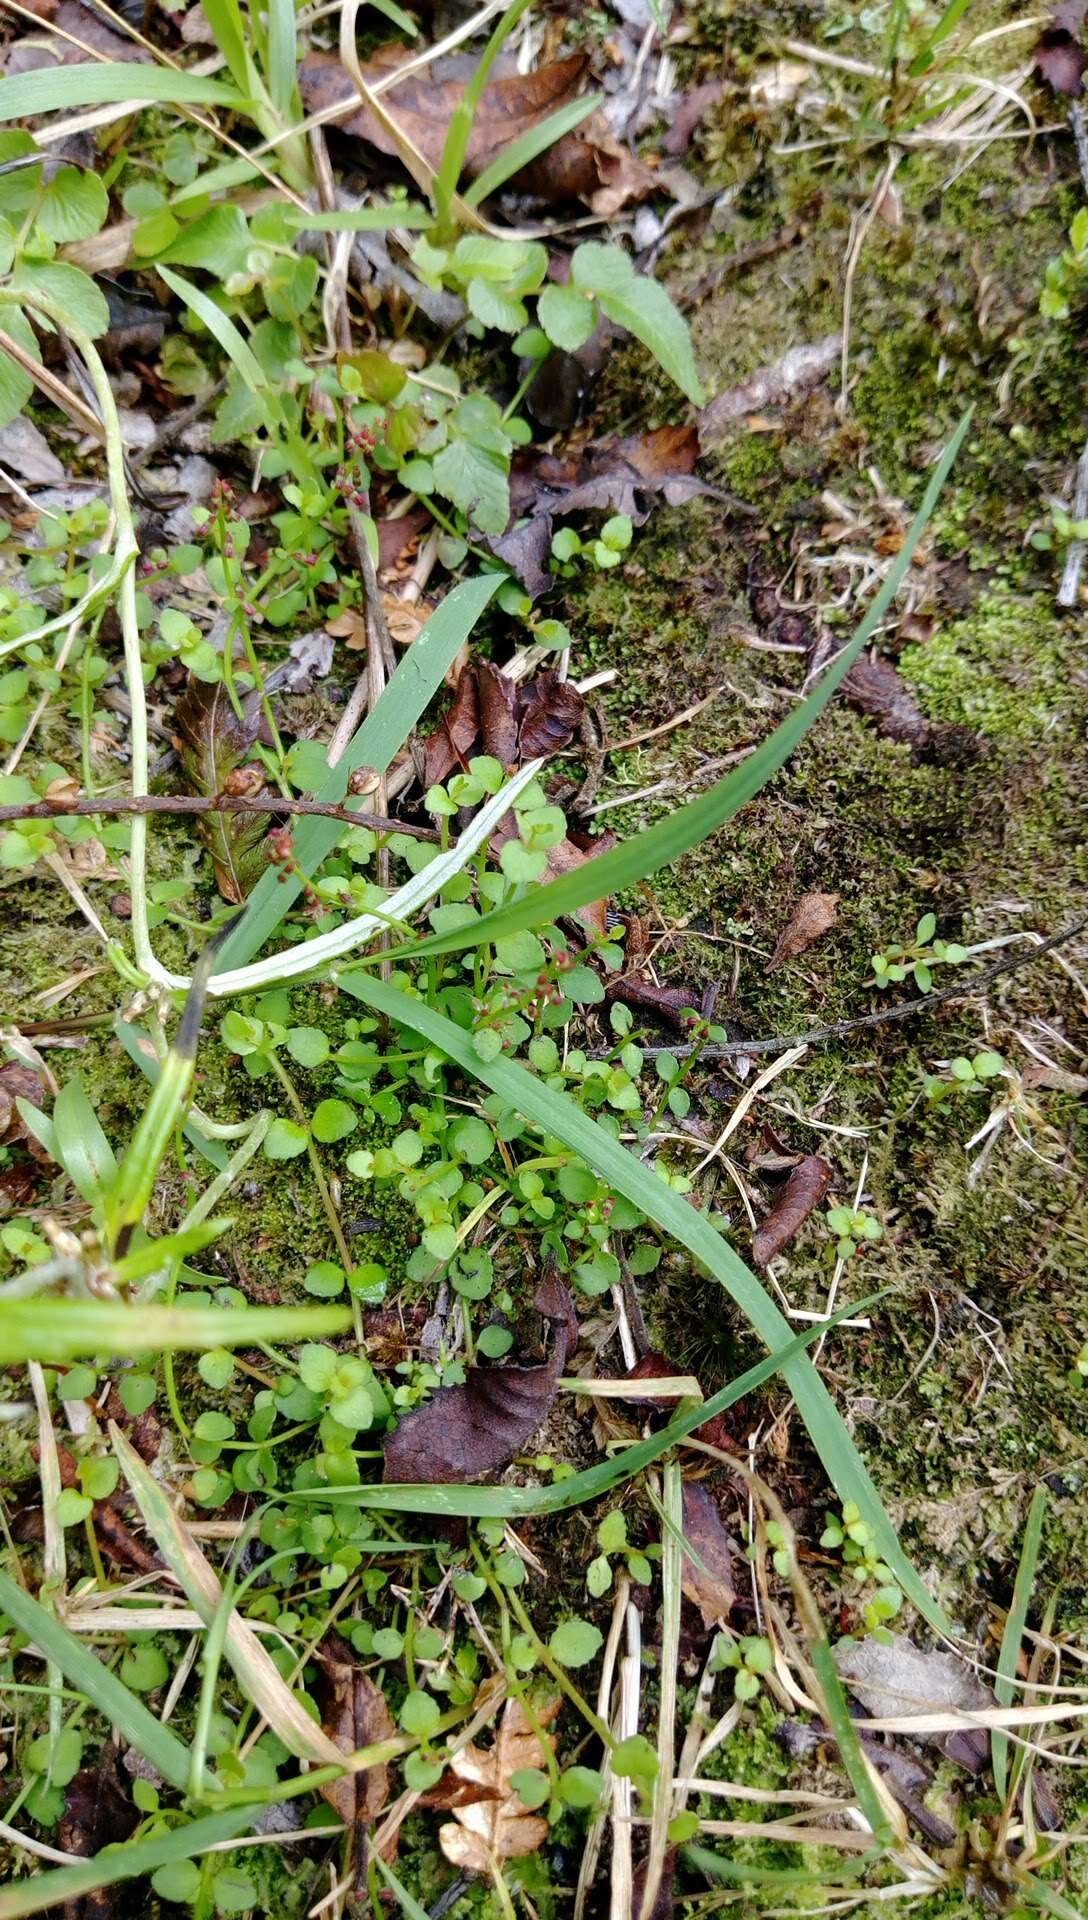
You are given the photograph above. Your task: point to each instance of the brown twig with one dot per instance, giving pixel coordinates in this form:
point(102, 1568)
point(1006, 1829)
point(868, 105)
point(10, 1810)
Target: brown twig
point(1069, 589)
point(903, 1011)
point(215, 803)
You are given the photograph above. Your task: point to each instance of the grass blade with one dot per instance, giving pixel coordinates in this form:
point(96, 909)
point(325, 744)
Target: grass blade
point(234, 345)
point(522, 152)
point(113, 1864)
point(257, 1672)
point(364, 219)
point(509, 1503)
point(670, 1211)
point(661, 845)
point(837, 1714)
point(57, 1329)
point(282, 59)
point(88, 1675)
point(102, 83)
point(141, 1052)
point(1015, 1621)
point(418, 677)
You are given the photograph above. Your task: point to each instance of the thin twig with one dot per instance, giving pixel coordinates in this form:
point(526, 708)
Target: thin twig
point(214, 803)
point(904, 1011)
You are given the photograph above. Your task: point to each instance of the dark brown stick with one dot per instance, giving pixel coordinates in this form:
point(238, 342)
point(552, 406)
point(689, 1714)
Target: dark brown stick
point(904, 1011)
point(217, 803)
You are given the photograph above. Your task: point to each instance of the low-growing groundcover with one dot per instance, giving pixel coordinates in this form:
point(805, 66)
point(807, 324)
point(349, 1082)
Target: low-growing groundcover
point(515, 1402)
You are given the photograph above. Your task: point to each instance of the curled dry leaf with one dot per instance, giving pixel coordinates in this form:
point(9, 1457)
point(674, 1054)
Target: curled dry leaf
point(498, 713)
point(893, 1677)
point(879, 691)
point(707, 1575)
point(491, 714)
point(814, 915)
point(551, 714)
point(568, 855)
point(1060, 54)
point(657, 1366)
point(17, 1083)
point(612, 476)
point(801, 1195)
point(496, 1826)
point(455, 735)
point(798, 371)
point(354, 1714)
point(212, 742)
point(478, 1427)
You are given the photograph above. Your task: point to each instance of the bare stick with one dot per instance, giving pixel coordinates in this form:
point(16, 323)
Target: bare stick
point(215, 803)
point(904, 1011)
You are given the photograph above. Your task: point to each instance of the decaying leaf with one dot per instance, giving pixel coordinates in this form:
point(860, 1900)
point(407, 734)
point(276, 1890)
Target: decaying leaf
point(587, 164)
point(212, 743)
point(878, 690)
point(657, 1366)
point(564, 857)
point(98, 1812)
point(1060, 54)
point(801, 1195)
point(813, 916)
point(354, 1714)
point(465, 1431)
point(17, 1083)
point(491, 1829)
point(614, 476)
point(491, 714)
point(893, 1677)
point(707, 1576)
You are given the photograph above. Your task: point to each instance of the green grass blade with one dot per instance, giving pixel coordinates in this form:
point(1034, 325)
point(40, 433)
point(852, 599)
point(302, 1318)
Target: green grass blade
point(837, 1715)
point(225, 20)
point(663, 844)
point(1015, 1621)
point(947, 24)
point(87, 1674)
point(406, 1901)
point(102, 83)
point(234, 345)
point(524, 1503)
point(459, 130)
point(113, 1864)
point(282, 58)
point(412, 215)
point(522, 152)
point(418, 677)
point(1045, 1899)
point(137, 1045)
point(673, 1213)
point(717, 1867)
point(56, 1329)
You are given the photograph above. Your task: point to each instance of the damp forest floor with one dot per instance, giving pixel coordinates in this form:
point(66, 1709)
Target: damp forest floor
point(958, 1384)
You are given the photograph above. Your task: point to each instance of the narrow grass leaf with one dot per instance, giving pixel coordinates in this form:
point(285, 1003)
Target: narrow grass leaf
point(837, 1715)
point(257, 1672)
point(1045, 1899)
point(364, 219)
point(671, 1211)
point(101, 83)
point(531, 145)
point(234, 345)
point(56, 1329)
point(406, 1901)
point(1011, 1639)
point(138, 1046)
point(282, 57)
point(664, 843)
point(523, 1503)
point(716, 1867)
point(87, 1674)
point(419, 675)
point(113, 1864)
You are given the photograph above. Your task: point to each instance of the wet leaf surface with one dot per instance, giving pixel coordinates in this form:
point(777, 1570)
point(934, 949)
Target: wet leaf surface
point(814, 915)
point(707, 1572)
point(212, 744)
point(803, 1192)
point(354, 1714)
point(496, 1826)
point(478, 1427)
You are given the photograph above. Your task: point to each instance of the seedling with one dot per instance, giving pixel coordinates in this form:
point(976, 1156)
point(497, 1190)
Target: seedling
point(860, 1557)
point(605, 552)
point(918, 959)
point(748, 1659)
point(613, 1543)
point(852, 1228)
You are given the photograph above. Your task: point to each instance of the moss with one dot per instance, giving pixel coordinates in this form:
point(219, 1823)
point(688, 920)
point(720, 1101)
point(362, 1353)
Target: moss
point(1002, 671)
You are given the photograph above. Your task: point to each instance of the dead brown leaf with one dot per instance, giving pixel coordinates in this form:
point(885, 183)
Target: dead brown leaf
point(86, 27)
point(611, 475)
point(692, 109)
point(98, 1812)
point(453, 739)
point(17, 1083)
point(803, 1192)
point(492, 714)
point(354, 1714)
point(212, 742)
point(565, 858)
point(657, 1366)
point(879, 691)
point(499, 703)
point(813, 916)
point(478, 1427)
point(552, 712)
point(486, 1831)
point(1060, 54)
point(707, 1578)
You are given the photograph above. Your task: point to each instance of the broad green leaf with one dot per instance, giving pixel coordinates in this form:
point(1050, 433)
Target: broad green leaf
point(664, 843)
point(476, 480)
point(418, 676)
point(562, 1118)
point(641, 305)
point(234, 345)
point(81, 304)
point(566, 316)
point(99, 83)
point(73, 206)
point(16, 387)
point(218, 241)
point(75, 1139)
